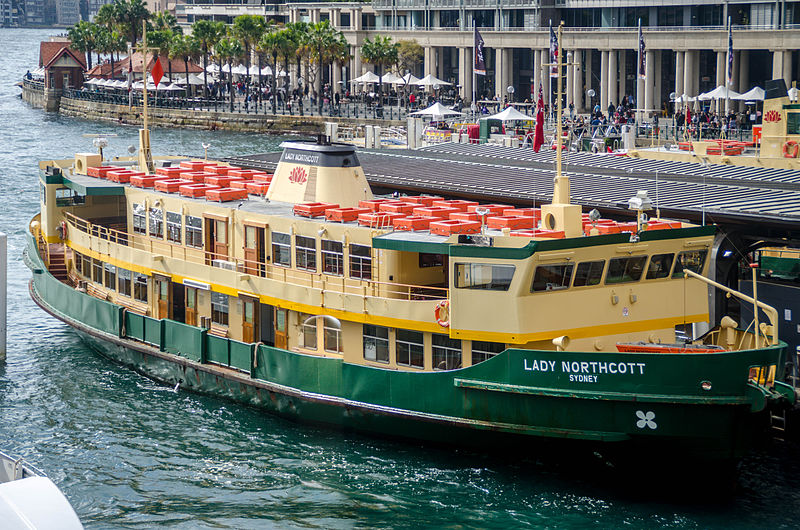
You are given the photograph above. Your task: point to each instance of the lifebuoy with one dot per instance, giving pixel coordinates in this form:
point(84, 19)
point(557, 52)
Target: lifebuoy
point(442, 313)
point(794, 146)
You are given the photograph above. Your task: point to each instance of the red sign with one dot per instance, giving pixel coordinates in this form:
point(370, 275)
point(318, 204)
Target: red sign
point(157, 71)
point(772, 116)
point(298, 175)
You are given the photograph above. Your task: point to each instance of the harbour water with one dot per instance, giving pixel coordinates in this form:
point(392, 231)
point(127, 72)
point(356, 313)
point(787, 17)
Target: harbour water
point(128, 452)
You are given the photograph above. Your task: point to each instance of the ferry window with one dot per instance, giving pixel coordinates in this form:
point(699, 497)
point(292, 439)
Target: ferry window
point(43, 193)
point(622, 270)
point(139, 220)
point(156, 222)
point(219, 308)
point(482, 351)
point(174, 227)
point(281, 249)
point(793, 123)
point(306, 252)
point(78, 260)
point(87, 265)
point(110, 276)
point(659, 266)
point(552, 277)
point(588, 273)
point(484, 276)
point(410, 349)
point(376, 343)
point(361, 262)
point(308, 326)
point(430, 260)
point(332, 257)
point(124, 281)
point(694, 260)
point(97, 271)
point(140, 287)
point(332, 335)
point(194, 231)
point(446, 352)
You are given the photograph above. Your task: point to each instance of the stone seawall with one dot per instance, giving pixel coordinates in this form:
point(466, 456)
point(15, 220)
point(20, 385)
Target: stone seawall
point(202, 119)
point(35, 95)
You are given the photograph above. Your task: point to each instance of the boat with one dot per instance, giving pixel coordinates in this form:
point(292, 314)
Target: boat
point(417, 317)
point(28, 499)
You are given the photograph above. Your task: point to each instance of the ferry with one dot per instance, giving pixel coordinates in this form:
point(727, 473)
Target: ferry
point(417, 317)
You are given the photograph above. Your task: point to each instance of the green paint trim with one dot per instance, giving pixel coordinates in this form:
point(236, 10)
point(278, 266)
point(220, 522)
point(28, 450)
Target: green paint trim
point(792, 106)
point(94, 190)
point(50, 179)
point(423, 247)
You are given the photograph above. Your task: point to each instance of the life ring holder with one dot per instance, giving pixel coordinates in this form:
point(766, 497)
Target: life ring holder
point(794, 146)
point(442, 313)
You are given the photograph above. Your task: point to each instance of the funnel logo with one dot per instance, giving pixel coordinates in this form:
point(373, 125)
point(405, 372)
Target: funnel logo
point(298, 175)
point(772, 115)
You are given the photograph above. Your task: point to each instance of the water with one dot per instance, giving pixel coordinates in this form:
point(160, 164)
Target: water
point(130, 453)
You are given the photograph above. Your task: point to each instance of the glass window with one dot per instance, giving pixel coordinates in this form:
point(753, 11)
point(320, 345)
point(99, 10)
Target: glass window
point(484, 276)
point(194, 231)
point(622, 270)
point(110, 276)
point(97, 271)
point(659, 266)
point(430, 260)
point(281, 249)
point(694, 260)
point(308, 326)
point(410, 348)
point(87, 266)
point(306, 252)
point(376, 343)
point(174, 227)
point(221, 232)
point(332, 257)
point(588, 273)
point(219, 308)
point(332, 335)
point(140, 287)
point(124, 281)
point(482, 351)
point(361, 262)
point(249, 236)
point(156, 222)
point(552, 277)
point(446, 352)
point(139, 221)
point(78, 260)
point(43, 193)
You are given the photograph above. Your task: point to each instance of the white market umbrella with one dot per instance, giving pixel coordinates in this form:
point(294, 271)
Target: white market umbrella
point(369, 77)
point(430, 80)
point(239, 70)
point(754, 94)
point(266, 71)
point(91, 81)
point(173, 88)
point(193, 80)
point(721, 92)
point(509, 114)
point(410, 79)
point(437, 111)
point(212, 68)
point(392, 79)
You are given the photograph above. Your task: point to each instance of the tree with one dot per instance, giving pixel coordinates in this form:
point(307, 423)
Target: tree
point(207, 34)
point(161, 40)
point(323, 43)
point(297, 32)
point(229, 49)
point(186, 48)
point(248, 29)
point(165, 21)
point(380, 52)
point(275, 43)
point(110, 41)
point(83, 38)
point(129, 15)
point(409, 55)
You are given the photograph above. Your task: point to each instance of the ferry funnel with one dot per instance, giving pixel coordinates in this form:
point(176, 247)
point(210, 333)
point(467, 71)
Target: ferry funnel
point(319, 172)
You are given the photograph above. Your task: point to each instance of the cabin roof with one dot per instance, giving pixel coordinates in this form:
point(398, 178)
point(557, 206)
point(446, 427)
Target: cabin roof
point(49, 52)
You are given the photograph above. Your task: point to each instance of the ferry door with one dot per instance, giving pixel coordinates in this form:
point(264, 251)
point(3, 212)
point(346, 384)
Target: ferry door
point(163, 296)
point(249, 319)
point(254, 252)
point(266, 324)
point(281, 332)
point(178, 302)
point(191, 306)
point(216, 238)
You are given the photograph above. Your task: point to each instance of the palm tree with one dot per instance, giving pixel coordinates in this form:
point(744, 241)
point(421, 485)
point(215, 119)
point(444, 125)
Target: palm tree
point(274, 44)
point(129, 14)
point(164, 20)
point(207, 34)
point(322, 40)
point(297, 33)
point(229, 49)
point(83, 38)
point(380, 52)
point(184, 47)
point(161, 40)
point(249, 30)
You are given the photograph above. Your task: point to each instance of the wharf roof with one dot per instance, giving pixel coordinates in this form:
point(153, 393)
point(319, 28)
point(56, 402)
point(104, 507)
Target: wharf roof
point(50, 51)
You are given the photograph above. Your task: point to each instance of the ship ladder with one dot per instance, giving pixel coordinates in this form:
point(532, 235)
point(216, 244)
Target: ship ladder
point(777, 424)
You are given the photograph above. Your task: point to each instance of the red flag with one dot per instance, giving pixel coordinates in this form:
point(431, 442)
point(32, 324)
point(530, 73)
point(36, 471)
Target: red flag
point(157, 71)
point(538, 137)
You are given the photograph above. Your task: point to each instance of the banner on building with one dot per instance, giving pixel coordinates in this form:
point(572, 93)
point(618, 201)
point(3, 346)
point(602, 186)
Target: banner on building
point(480, 62)
point(730, 54)
point(642, 55)
point(553, 53)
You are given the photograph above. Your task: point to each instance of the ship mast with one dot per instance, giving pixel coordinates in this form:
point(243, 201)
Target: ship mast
point(145, 156)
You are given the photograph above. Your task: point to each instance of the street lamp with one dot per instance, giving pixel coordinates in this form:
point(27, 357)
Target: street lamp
point(510, 90)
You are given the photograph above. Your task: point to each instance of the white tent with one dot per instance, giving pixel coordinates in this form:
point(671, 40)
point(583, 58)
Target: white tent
point(509, 114)
point(369, 77)
point(172, 88)
point(437, 111)
point(721, 92)
point(239, 69)
point(410, 79)
point(193, 80)
point(92, 81)
point(430, 80)
point(392, 79)
point(754, 94)
point(212, 68)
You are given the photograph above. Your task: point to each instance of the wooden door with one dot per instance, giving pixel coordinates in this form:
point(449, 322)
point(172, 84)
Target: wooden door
point(163, 297)
point(254, 249)
point(280, 328)
point(216, 239)
point(191, 306)
point(249, 319)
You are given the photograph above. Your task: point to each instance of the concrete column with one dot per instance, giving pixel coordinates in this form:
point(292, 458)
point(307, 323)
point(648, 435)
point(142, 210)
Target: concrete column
point(688, 73)
point(604, 59)
point(568, 89)
point(439, 54)
point(679, 67)
point(336, 71)
point(508, 71)
point(499, 73)
point(355, 19)
point(721, 56)
point(777, 64)
point(537, 74)
point(428, 67)
point(613, 80)
point(787, 68)
point(743, 67)
point(621, 79)
point(658, 92)
point(465, 72)
point(356, 62)
point(650, 66)
point(577, 80)
point(588, 75)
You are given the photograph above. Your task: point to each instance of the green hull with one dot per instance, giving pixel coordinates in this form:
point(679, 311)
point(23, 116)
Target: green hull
point(621, 401)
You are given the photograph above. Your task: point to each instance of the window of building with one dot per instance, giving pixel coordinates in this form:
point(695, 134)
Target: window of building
point(332, 257)
point(194, 231)
point(484, 276)
point(588, 273)
point(139, 220)
point(410, 348)
point(376, 343)
point(552, 277)
point(78, 259)
point(623, 270)
point(281, 249)
point(308, 327)
point(694, 260)
point(156, 222)
point(659, 266)
point(110, 276)
point(174, 227)
point(361, 262)
point(482, 351)
point(306, 253)
point(87, 266)
point(97, 271)
point(430, 260)
point(124, 281)
point(219, 308)
point(793, 120)
point(446, 352)
point(140, 287)
point(332, 335)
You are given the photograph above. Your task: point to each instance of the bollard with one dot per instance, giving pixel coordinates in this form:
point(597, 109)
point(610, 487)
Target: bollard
point(3, 298)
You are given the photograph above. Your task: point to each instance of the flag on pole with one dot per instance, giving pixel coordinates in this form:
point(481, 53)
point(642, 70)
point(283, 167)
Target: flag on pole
point(642, 55)
point(157, 71)
point(553, 53)
point(730, 55)
point(538, 137)
point(480, 62)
